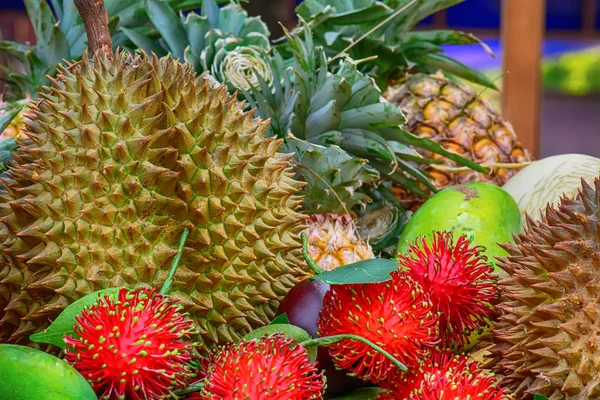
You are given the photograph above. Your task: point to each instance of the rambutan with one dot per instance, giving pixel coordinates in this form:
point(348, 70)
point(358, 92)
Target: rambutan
point(273, 367)
point(460, 283)
point(396, 315)
point(444, 376)
point(133, 346)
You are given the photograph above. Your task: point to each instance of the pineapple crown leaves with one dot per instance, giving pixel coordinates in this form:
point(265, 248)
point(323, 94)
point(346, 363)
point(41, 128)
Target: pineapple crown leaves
point(219, 39)
point(343, 108)
point(338, 24)
point(334, 178)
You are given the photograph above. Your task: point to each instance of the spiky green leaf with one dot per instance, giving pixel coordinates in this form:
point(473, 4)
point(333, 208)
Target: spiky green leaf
point(168, 23)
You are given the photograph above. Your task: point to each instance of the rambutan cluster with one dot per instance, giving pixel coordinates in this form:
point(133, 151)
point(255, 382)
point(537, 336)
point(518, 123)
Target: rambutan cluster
point(440, 295)
point(137, 345)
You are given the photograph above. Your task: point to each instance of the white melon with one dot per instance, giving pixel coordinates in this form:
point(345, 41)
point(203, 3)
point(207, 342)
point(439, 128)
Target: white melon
point(545, 181)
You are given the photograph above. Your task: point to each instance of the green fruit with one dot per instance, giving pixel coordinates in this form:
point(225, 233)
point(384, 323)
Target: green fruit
point(478, 209)
point(30, 374)
point(546, 180)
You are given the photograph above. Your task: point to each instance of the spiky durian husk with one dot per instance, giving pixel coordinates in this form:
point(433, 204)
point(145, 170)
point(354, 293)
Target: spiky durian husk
point(123, 155)
point(548, 335)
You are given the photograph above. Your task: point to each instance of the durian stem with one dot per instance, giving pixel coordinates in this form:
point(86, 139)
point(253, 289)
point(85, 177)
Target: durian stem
point(166, 287)
point(327, 340)
point(95, 21)
point(309, 260)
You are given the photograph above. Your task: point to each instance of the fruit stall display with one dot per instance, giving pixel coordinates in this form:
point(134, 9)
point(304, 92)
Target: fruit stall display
point(193, 209)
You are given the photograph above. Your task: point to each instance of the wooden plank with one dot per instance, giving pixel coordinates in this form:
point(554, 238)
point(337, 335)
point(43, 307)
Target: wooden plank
point(440, 19)
point(588, 17)
point(522, 27)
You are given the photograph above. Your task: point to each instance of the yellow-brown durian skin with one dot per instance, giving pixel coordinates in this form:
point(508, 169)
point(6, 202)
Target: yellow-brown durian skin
point(120, 156)
point(548, 335)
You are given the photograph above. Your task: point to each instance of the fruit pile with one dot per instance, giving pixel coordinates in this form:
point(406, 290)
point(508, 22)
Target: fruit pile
point(192, 209)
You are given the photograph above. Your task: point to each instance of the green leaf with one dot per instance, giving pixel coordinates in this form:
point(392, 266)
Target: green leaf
point(186, 5)
point(408, 138)
point(6, 118)
point(64, 324)
point(457, 68)
point(280, 319)
point(211, 11)
point(14, 49)
point(169, 25)
point(7, 146)
point(43, 21)
point(367, 271)
point(367, 144)
point(59, 46)
point(291, 331)
point(143, 42)
point(447, 37)
point(368, 393)
point(374, 13)
point(539, 397)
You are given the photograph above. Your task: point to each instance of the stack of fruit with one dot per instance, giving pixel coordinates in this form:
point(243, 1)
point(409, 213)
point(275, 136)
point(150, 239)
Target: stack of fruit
point(209, 213)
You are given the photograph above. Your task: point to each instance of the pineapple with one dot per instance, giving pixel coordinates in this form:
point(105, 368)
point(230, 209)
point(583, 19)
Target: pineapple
point(335, 124)
point(454, 116)
point(436, 107)
point(335, 183)
point(334, 241)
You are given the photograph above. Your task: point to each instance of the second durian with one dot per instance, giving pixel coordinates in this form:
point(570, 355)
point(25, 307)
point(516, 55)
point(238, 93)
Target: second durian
point(547, 337)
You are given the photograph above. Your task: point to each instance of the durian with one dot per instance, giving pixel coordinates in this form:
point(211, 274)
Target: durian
point(547, 337)
point(122, 153)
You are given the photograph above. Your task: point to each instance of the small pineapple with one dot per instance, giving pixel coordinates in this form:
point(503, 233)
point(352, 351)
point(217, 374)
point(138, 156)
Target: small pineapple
point(335, 183)
point(334, 241)
point(459, 120)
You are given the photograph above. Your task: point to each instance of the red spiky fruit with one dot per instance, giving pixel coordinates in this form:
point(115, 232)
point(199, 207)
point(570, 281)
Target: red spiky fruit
point(133, 346)
point(270, 368)
point(444, 376)
point(397, 315)
point(460, 282)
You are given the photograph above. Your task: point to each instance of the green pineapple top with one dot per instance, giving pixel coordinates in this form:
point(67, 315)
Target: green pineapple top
point(342, 108)
point(222, 40)
point(397, 47)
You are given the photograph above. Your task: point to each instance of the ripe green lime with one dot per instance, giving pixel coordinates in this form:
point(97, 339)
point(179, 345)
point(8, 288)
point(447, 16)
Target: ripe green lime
point(30, 374)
